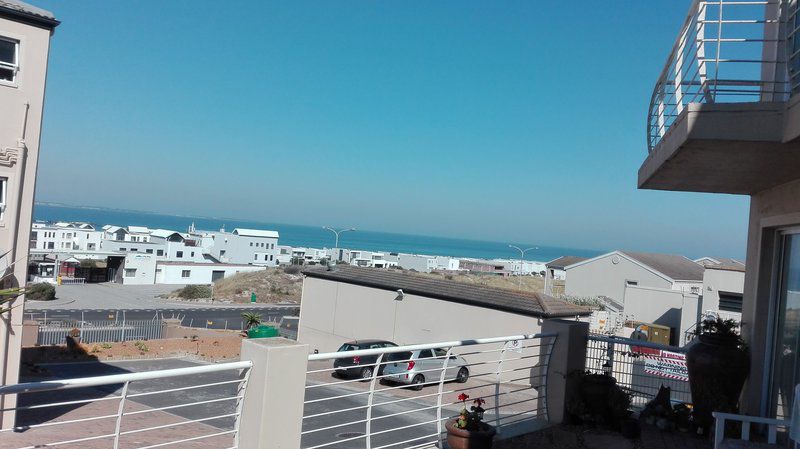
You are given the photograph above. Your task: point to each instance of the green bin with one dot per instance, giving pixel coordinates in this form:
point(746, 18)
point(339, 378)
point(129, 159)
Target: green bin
point(262, 331)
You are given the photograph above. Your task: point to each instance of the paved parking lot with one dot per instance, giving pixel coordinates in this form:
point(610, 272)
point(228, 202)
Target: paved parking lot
point(108, 295)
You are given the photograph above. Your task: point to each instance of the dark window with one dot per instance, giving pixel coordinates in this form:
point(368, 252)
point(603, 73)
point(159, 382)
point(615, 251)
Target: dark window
point(730, 302)
point(425, 354)
point(149, 251)
point(632, 282)
point(398, 356)
point(8, 59)
point(160, 252)
point(179, 254)
point(123, 249)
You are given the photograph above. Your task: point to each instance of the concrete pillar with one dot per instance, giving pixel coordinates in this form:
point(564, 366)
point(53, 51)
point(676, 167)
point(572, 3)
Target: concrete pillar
point(169, 328)
point(272, 411)
point(569, 355)
point(30, 333)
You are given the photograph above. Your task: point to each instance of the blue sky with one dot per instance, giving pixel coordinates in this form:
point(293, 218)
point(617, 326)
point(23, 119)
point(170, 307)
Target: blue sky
point(520, 121)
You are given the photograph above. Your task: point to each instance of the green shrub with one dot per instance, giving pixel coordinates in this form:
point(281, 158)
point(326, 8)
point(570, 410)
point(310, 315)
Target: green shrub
point(195, 292)
point(41, 291)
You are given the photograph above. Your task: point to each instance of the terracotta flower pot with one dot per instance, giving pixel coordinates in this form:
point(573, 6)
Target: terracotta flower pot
point(469, 439)
point(718, 368)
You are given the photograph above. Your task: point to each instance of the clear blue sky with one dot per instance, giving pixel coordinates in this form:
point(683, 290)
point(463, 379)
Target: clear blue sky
point(520, 121)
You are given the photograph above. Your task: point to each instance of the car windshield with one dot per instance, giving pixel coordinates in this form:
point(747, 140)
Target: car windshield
point(398, 356)
point(346, 347)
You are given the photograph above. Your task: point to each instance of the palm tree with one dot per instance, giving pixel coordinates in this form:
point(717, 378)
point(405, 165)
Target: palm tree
point(251, 319)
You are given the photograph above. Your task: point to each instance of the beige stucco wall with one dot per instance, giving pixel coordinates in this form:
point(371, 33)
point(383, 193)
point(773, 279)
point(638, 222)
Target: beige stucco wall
point(602, 277)
point(770, 210)
point(717, 280)
point(667, 307)
point(332, 313)
point(19, 166)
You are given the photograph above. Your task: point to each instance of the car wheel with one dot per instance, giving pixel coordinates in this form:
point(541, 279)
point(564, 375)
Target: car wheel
point(336, 375)
point(366, 373)
point(417, 382)
point(463, 375)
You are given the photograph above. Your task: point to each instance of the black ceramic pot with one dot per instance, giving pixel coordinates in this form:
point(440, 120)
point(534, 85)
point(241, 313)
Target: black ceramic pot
point(718, 367)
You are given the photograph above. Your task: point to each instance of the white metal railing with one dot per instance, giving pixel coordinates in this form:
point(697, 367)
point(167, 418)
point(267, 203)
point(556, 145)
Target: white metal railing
point(727, 51)
point(509, 373)
point(72, 281)
point(640, 367)
point(55, 332)
point(65, 412)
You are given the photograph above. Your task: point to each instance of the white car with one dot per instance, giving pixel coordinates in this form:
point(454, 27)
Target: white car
point(416, 368)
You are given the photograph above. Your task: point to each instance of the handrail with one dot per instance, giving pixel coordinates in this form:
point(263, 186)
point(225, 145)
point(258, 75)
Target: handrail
point(712, 60)
point(81, 382)
point(443, 344)
point(638, 343)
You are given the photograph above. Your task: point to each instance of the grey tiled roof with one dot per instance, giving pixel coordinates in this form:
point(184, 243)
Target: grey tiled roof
point(679, 268)
point(530, 304)
point(20, 8)
point(564, 261)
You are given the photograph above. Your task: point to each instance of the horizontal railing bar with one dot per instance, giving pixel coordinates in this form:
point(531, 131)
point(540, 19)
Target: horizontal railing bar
point(306, 432)
point(57, 404)
point(410, 440)
point(78, 440)
point(112, 379)
point(333, 412)
point(170, 407)
point(185, 440)
point(444, 344)
point(58, 423)
point(330, 443)
point(179, 423)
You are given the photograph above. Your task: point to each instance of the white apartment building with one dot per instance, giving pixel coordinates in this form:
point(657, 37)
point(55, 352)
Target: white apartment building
point(245, 246)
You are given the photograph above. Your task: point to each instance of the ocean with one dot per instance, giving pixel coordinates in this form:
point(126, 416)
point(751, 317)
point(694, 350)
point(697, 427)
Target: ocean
point(309, 236)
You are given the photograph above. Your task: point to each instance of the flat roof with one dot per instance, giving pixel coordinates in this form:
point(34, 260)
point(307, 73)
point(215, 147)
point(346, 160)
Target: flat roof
point(530, 304)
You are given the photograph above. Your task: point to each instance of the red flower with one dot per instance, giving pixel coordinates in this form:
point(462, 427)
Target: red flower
point(463, 397)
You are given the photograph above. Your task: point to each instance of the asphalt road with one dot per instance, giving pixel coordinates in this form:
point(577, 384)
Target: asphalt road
point(391, 423)
point(220, 317)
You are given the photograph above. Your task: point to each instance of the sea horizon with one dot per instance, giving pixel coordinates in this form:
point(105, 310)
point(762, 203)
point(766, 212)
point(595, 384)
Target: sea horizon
point(304, 235)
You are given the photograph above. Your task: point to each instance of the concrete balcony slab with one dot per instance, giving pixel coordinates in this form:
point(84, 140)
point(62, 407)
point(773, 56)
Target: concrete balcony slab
point(737, 148)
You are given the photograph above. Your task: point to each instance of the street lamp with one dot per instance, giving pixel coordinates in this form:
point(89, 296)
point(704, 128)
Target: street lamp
point(521, 257)
point(337, 235)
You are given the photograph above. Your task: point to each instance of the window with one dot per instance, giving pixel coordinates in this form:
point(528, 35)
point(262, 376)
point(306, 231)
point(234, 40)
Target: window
point(9, 59)
point(91, 246)
point(179, 254)
point(270, 257)
point(133, 250)
point(265, 257)
point(631, 282)
point(51, 245)
point(123, 249)
point(251, 243)
point(255, 256)
point(186, 273)
point(33, 235)
point(221, 252)
point(695, 290)
point(160, 252)
point(730, 302)
point(425, 354)
point(192, 253)
point(149, 251)
point(130, 272)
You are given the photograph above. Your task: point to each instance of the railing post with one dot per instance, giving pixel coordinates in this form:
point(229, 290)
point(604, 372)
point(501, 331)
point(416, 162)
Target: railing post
point(608, 367)
point(567, 355)
point(120, 413)
point(439, 397)
point(370, 398)
point(497, 384)
point(272, 410)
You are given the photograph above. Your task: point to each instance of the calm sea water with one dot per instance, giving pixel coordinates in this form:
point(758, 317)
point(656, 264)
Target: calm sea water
point(296, 235)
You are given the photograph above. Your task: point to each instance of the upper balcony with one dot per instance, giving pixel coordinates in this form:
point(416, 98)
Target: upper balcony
point(723, 116)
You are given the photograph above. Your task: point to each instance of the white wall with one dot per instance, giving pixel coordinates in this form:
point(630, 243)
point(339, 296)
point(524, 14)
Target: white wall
point(198, 273)
point(663, 306)
point(604, 277)
point(717, 280)
point(145, 266)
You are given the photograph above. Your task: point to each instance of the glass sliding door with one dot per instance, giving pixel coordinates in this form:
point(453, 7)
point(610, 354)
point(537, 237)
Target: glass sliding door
point(786, 360)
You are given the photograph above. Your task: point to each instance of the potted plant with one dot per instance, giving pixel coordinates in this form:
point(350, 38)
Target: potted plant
point(73, 339)
point(718, 364)
point(468, 431)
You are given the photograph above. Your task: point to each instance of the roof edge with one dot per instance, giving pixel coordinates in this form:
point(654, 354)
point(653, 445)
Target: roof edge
point(30, 19)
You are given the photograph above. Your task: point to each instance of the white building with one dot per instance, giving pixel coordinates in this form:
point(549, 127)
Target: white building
point(174, 272)
point(245, 246)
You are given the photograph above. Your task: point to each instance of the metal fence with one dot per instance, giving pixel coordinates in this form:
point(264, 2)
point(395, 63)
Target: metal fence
point(640, 368)
point(142, 410)
point(55, 332)
point(372, 411)
point(726, 51)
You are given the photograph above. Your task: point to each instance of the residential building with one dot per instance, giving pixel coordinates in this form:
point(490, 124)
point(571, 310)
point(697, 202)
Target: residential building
point(731, 125)
point(246, 246)
point(483, 266)
point(284, 256)
point(555, 271)
point(175, 272)
point(723, 290)
point(25, 33)
point(407, 308)
point(521, 267)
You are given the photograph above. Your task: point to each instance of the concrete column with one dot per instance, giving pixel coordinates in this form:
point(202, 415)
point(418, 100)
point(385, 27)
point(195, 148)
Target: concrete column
point(272, 411)
point(170, 327)
point(569, 355)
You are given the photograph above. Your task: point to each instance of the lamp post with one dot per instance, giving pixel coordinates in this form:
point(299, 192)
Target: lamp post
point(521, 257)
point(335, 232)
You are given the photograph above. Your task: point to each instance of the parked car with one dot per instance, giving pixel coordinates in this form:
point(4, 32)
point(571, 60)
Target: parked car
point(360, 367)
point(416, 368)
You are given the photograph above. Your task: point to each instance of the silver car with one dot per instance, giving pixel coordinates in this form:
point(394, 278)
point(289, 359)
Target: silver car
point(416, 368)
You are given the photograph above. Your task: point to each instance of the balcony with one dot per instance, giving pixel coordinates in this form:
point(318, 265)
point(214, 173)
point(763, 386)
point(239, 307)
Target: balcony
point(722, 117)
point(279, 395)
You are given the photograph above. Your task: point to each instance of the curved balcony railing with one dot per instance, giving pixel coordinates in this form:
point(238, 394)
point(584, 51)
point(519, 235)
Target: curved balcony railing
point(727, 52)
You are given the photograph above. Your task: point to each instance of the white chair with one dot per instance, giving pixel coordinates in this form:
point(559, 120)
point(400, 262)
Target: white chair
point(744, 441)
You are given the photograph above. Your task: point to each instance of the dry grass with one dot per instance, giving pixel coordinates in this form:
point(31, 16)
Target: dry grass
point(518, 283)
point(272, 285)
